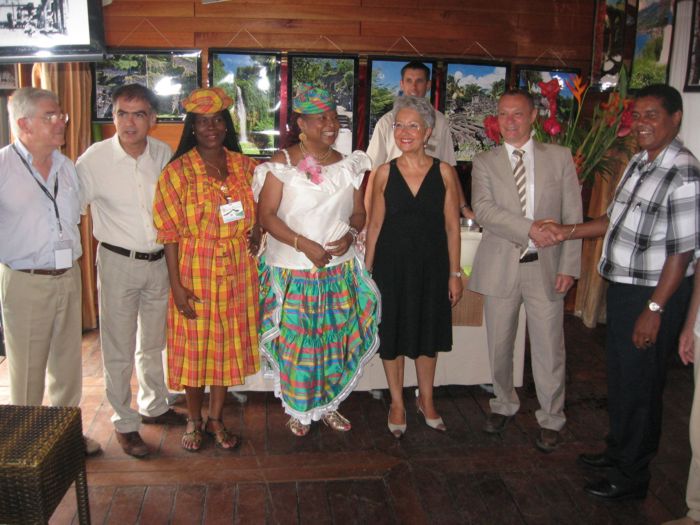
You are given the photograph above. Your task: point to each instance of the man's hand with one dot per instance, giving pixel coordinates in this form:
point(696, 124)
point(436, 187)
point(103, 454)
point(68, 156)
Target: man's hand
point(563, 283)
point(646, 329)
point(560, 232)
point(540, 236)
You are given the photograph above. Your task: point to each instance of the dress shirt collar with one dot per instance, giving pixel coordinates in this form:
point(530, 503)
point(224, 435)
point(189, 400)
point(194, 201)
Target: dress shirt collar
point(528, 148)
point(120, 154)
point(56, 156)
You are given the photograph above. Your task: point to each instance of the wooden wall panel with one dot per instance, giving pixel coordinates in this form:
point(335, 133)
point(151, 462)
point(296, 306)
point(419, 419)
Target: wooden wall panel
point(549, 32)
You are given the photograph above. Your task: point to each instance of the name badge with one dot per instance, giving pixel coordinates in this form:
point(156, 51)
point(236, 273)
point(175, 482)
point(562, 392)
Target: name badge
point(63, 254)
point(231, 211)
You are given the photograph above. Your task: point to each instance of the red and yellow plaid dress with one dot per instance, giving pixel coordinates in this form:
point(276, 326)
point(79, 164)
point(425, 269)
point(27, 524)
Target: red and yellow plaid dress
point(220, 346)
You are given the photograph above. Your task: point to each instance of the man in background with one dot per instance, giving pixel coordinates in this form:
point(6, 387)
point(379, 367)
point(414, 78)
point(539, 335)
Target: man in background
point(117, 180)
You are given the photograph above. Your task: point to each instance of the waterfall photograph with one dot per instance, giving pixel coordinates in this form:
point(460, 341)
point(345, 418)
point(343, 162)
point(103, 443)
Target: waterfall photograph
point(252, 81)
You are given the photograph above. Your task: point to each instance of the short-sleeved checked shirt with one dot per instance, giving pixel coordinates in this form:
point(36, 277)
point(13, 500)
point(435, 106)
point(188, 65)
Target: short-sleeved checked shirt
point(655, 213)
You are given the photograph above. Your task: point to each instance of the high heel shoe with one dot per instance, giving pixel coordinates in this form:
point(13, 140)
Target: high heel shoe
point(396, 430)
point(435, 423)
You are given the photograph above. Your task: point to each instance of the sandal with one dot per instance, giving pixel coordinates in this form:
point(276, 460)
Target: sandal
point(297, 427)
point(337, 422)
point(192, 441)
point(222, 438)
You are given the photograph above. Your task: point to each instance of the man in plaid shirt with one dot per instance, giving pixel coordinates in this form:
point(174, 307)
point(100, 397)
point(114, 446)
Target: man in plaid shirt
point(651, 230)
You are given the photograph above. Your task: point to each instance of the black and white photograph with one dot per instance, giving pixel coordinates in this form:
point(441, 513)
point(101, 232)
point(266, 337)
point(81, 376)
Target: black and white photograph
point(8, 76)
point(44, 23)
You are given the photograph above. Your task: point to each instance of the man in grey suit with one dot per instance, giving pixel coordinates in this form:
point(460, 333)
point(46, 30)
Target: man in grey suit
point(515, 187)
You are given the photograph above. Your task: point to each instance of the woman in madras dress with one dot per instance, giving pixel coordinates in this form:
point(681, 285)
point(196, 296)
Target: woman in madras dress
point(204, 212)
point(320, 307)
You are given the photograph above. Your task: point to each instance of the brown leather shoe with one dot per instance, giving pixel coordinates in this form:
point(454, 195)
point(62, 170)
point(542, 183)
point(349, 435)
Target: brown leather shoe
point(132, 444)
point(169, 417)
point(495, 423)
point(548, 440)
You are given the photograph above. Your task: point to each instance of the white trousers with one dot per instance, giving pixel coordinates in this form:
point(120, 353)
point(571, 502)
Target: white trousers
point(545, 320)
point(692, 496)
point(133, 300)
point(42, 319)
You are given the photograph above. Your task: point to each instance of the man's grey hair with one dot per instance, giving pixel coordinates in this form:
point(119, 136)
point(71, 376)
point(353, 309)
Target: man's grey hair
point(418, 104)
point(23, 103)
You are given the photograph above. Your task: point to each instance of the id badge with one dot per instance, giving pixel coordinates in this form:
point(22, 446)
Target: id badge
point(231, 211)
point(63, 254)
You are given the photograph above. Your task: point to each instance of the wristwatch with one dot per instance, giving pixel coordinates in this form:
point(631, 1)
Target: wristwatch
point(654, 307)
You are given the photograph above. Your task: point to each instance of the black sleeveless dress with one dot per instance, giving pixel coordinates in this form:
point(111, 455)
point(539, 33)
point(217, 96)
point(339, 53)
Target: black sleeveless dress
point(411, 268)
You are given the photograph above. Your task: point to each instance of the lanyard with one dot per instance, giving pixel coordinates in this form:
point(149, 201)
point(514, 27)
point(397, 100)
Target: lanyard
point(52, 198)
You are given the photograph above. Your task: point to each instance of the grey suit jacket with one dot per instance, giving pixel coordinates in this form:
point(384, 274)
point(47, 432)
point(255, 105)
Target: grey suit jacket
point(497, 208)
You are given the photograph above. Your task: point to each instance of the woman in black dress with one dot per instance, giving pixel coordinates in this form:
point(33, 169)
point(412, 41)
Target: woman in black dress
point(413, 247)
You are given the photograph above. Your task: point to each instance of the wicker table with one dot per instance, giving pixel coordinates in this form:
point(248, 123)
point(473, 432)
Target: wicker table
point(41, 453)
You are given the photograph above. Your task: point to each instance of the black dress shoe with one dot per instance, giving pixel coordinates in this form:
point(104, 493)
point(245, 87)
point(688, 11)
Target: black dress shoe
point(495, 423)
point(606, 490)
point(595, 460)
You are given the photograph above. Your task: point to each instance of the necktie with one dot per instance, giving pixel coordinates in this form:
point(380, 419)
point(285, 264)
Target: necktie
point(520, 179)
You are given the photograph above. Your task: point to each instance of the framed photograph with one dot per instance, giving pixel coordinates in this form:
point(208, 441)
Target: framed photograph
point(692, 78)
point(338, 75)
point(610, 30)
point(253, 81)
point(653, 43)
point(8, 77)
point(51, 31)
point(528, 77)
point(472, 91)
point(385, 79)
point(172, 75)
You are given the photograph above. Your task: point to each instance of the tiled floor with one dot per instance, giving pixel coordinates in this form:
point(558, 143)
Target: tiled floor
point(366, 476)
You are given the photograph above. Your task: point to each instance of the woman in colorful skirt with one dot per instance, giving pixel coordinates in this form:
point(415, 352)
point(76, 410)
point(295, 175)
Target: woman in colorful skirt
point(204, 214)
point(320, 306)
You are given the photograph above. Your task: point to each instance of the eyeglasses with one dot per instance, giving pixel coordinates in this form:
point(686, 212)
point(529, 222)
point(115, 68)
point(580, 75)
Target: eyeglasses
point(412, 127)
point(55, 118)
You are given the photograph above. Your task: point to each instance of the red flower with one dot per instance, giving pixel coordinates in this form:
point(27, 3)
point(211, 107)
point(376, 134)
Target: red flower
point(550, 90)
point(552, 126)
point(578, 162)
point(492, 129)
point(625, 122)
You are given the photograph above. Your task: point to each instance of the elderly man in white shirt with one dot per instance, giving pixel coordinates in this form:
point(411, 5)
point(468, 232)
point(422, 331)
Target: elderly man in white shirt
point(117, 179)
point(40, 286)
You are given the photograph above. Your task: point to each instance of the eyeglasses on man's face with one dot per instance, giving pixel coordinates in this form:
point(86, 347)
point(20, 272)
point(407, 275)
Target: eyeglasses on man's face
point(54, 118)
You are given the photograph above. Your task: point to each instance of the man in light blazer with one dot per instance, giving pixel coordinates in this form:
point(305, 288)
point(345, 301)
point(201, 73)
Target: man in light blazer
point(515, 187)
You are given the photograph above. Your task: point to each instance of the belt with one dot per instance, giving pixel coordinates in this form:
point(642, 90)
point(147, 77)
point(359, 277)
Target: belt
point(154, 256)
point(46, 272)
point(529, 257)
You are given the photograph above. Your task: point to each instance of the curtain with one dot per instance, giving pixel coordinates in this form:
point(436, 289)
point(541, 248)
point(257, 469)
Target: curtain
point(72, 82)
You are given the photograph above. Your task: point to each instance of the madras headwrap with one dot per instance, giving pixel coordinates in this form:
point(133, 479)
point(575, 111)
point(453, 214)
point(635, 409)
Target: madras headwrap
point(312, 101)
point(206, 101)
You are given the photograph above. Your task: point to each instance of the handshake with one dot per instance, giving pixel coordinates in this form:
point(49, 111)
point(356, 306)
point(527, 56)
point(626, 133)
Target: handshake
point(547, 232)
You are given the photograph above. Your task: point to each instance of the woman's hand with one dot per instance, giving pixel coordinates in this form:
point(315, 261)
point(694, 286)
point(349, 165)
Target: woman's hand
point(314, 251)
point(255, 235)
point(183, 297)
point(455, 289)
point(341, 246)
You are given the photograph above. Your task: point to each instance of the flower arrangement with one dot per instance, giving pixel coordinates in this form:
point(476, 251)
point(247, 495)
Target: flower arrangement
point(590, 142)
point(313, 170)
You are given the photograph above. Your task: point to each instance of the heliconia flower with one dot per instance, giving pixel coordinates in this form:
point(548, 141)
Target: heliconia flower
point(552, 126)
point(613, 103)
point(578, 88)
point(549, 89)
point(312, 169)
point(625, 122)
point(578, 162)
point(492, 129)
